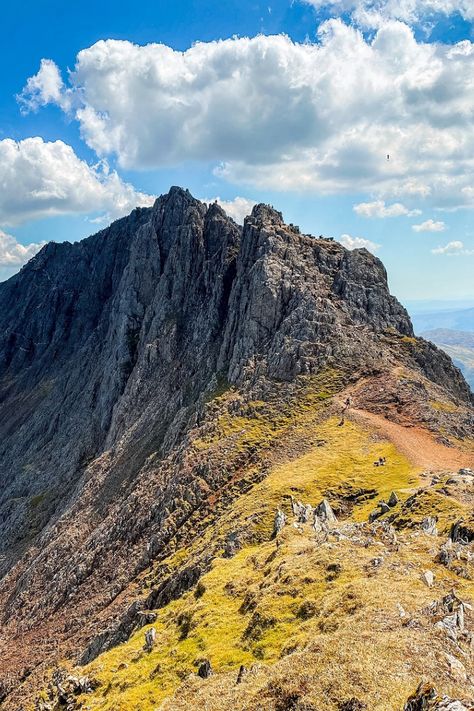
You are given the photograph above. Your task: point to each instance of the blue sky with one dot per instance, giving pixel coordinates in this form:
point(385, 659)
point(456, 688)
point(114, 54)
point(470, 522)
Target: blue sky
point(302, 116)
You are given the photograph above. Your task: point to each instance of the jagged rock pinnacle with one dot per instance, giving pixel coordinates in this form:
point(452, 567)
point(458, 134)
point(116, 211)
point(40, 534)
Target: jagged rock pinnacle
point(266, 213)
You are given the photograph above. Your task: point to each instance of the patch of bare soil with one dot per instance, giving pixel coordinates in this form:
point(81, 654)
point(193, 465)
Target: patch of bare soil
point(416, 443)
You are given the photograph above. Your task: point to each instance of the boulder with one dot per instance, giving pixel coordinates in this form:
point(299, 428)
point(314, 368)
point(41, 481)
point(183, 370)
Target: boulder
point(446, 554)
point(456, 668)
point(63, 690)
point(393, 499)
point(231, 546)
point(382, 509)
point(325, 512)
point(374, 515)
point(426, 698)
point(352, 705)
point(461, 533)
point(205, 669)
point(450, 613)
point(150, 636)
point(428, 578)
point(428, 526)
point(401, 610)
point(303, 512)
point(241, 674)
point(278, 522)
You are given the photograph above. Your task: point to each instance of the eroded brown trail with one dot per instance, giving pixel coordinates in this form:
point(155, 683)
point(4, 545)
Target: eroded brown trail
point(416, 443)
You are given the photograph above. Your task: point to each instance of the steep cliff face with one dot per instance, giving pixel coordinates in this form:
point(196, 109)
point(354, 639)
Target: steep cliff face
point(111, 350)
point(167, 297)
point(89, 330)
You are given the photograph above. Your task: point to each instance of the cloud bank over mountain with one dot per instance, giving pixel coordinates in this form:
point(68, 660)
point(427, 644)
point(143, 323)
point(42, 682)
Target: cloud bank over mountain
point(41, 178)
point(388, 113)
point(358, 243)
point(14, 254)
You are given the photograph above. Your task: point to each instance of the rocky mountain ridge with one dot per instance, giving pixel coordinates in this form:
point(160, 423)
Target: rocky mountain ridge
point(114, 353)
point(110, 308)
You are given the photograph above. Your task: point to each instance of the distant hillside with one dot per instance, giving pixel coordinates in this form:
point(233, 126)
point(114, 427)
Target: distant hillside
point(453, 331)
point(449, 337)
point(457, 320)
point(457, 344)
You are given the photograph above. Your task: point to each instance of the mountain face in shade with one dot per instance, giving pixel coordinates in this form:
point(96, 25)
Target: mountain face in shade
point(112, 351)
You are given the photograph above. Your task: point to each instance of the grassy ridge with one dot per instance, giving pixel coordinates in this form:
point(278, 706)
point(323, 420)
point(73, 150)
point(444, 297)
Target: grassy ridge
point(225, 623)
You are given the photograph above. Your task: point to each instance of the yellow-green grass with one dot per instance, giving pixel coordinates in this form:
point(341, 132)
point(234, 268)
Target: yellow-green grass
point(409, 339)
point(354, 620)
point(433, 501)
point(250, 608)
point(343, 465)
point(443, 406)
point(259, 423)
point(135, 679)
point(356, 643)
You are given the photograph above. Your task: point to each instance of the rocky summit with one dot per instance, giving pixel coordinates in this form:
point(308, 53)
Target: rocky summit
point(230, 477)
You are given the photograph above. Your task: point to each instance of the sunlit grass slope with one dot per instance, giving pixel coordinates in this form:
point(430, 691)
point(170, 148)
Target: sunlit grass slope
point(262, 603)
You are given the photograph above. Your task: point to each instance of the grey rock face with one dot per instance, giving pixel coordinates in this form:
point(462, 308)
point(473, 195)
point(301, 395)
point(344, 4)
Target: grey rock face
point(88, 331)
point(98, 337)
point(109, 349)
point(287, 317)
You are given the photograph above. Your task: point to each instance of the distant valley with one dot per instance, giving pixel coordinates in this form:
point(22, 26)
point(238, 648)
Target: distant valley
point(457, 344)
point(456, 320)
point(453, 331)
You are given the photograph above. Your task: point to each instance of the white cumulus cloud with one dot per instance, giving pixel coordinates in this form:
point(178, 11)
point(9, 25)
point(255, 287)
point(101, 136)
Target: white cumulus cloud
point(452, 249)
point(358, 243)
point(45, 87)
point(14, 254)
point(276, 114)
point(378, 208)
point(40, 178)
point(238, 208)
point(372, 13)
point(429, 226)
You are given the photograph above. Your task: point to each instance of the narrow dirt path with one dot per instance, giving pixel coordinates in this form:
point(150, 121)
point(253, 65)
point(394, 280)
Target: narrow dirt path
point(417, 444)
